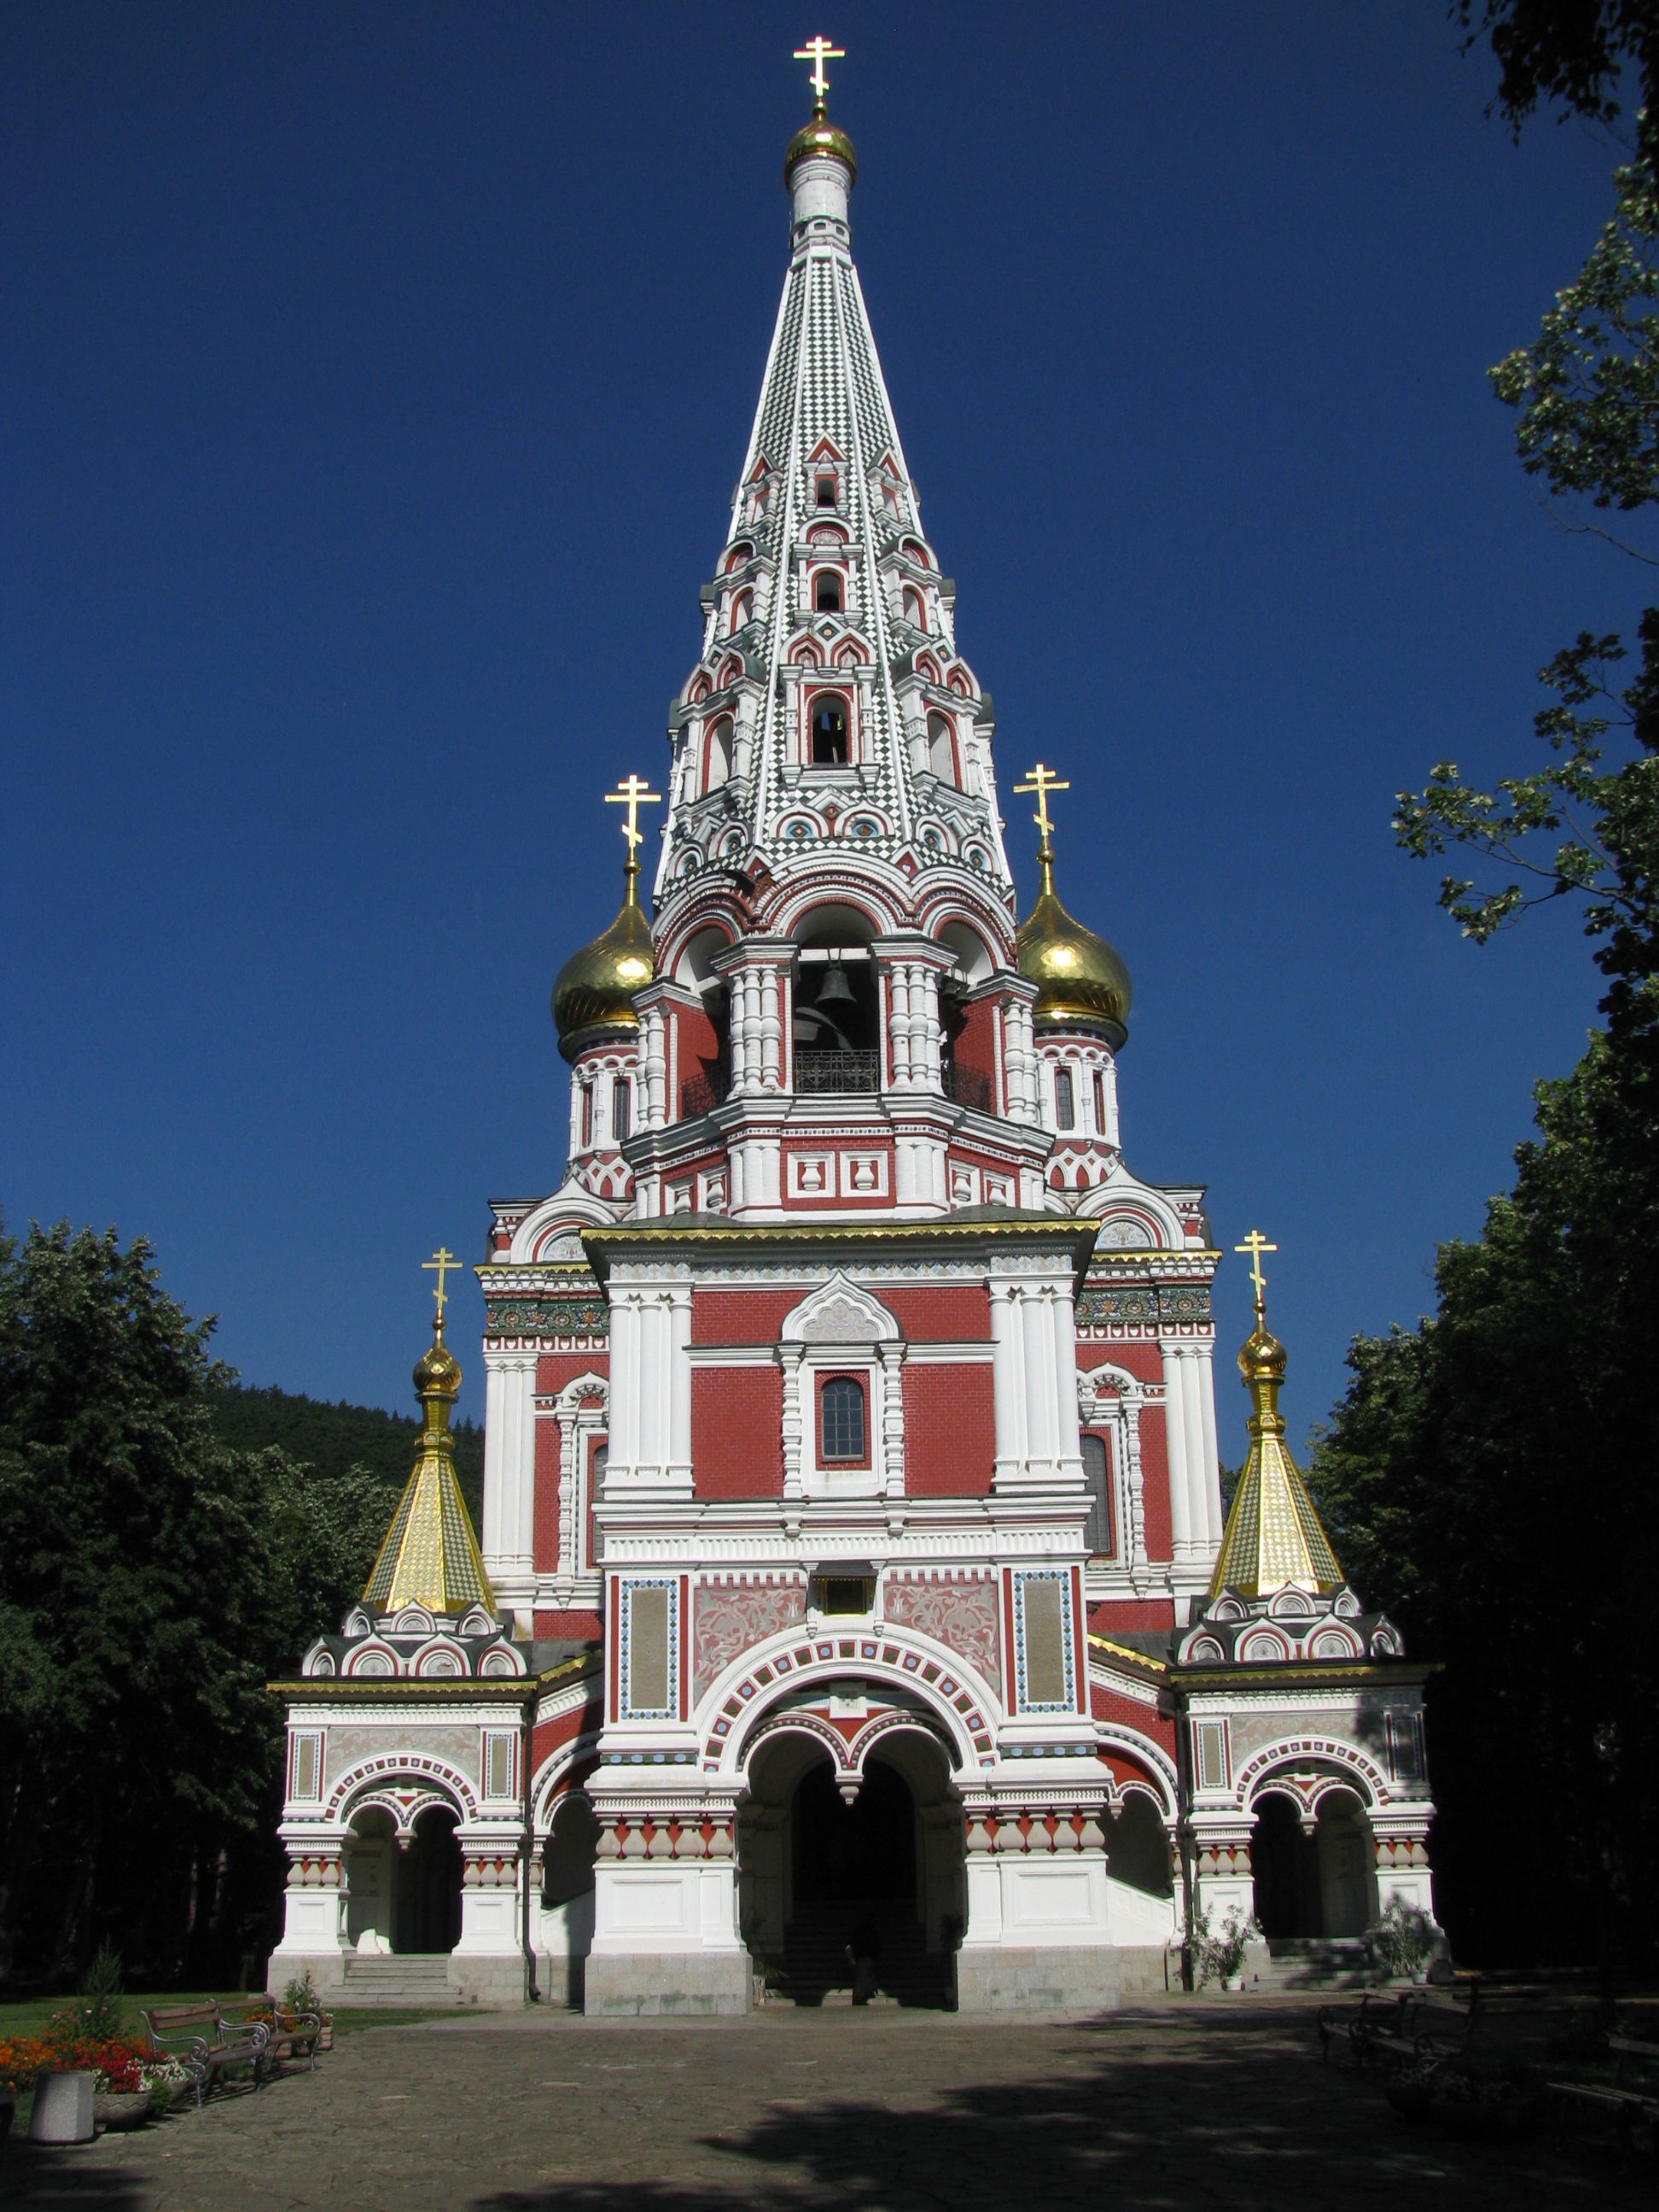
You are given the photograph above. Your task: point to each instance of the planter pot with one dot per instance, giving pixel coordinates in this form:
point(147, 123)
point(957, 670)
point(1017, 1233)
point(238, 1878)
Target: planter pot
point(1233, 1982)
point(7, 2113)
point(120, 2108)
point(326, 2038)
point(63, 2107)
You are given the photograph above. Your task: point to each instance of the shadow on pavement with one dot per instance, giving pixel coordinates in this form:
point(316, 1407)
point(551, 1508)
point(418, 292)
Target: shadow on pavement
point(1261, 2124)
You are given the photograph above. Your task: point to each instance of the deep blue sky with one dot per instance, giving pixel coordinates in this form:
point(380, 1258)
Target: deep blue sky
point(376, 381)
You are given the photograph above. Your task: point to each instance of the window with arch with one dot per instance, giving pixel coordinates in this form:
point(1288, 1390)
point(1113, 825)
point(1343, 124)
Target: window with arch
point(1097, 1529)
point(842, 1430)
point(1100, 1104)
point(719, 766)
point(826, 593)
point(915, 608)
point(825, 494)
point(621, 1109)
point(740, 552)
point(743, 606)
point(1064, 1104)
point(831, 742)
point(917, 552)
point(941, 748)
point(587, 1114)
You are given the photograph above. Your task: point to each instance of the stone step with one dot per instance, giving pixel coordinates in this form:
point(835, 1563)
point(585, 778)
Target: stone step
point(402, 1978)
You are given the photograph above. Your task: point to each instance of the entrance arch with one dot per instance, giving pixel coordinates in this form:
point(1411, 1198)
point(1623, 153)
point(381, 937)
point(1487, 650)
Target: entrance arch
point(1315, 1882)
point(404, 1887)
point(821, 1852)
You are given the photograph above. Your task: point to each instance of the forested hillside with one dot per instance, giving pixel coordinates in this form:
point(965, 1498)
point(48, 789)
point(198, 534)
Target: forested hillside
point(332, 1438)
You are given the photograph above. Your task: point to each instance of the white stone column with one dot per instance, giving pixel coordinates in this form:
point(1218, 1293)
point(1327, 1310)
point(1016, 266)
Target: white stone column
point(678, 1300)
point(1175, 1452)
point(654, 1067)
point(789, 1359)
point(1203, 1356)
point(509, 1475)
point(1007, 1383)
point(890, 1474)
point(1036, 1342)
point(1019, 1061)
point(625, 1333)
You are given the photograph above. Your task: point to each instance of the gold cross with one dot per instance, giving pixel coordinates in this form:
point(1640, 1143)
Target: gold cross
point(443, 1261)
point(1256, 1244)
point(817, 52)
point(1044, 781)
point(633, 795)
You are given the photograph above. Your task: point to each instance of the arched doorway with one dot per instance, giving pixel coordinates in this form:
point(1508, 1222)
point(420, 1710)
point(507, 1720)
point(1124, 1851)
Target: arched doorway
point(567, 1901)
point(403, 1891)
point(814, 1867)
point(1313, 1884)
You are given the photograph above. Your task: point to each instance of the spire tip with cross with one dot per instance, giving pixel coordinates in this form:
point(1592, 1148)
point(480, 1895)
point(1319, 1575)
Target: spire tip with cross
point(1256, 1244)
point(1042, 782)
point(442, 1263)
point(632, 794)
point(817, 52)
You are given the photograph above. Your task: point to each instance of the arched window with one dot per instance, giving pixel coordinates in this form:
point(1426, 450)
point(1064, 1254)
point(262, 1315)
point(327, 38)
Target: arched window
point(622, 1101)
point(742, 607)
point(742, 551)
point(587, 1114)
point(720, 754)
point(941, 750)
point(1098, 1529)
point(829, 748)
point(915, 610)
point(918, 553)
point(1100, 1104)
point(826, 491)
point(826, 593)
point(841, 1420)
point(1065, 1105)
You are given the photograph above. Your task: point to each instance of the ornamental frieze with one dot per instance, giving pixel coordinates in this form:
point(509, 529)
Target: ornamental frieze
point(1146, 1304)
point(546, 1317)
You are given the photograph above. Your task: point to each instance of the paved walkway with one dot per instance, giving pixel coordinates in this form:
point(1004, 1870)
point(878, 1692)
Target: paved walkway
point(1169, 2106)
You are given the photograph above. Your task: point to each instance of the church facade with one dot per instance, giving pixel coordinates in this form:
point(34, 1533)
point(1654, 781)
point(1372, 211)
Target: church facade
point(853, 1556)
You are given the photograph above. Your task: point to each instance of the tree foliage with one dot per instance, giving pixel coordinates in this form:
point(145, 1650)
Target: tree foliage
point(1569, 51)
point(151, 1581)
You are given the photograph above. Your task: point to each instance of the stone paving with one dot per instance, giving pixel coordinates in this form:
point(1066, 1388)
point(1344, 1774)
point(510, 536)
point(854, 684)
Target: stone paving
point(1165, 2105)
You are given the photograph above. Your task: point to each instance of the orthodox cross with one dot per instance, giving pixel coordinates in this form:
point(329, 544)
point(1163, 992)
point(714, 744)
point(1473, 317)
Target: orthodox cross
point(1044, 781)
point(633, 794)
point(1256, 1244)
point(440, 1263)
point(817, 52)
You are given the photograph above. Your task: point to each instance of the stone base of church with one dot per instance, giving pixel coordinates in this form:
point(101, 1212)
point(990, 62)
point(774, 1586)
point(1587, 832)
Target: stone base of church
point(491, 1980)
point(1048, 1980)
point(326, 1970)
point(684, 1983)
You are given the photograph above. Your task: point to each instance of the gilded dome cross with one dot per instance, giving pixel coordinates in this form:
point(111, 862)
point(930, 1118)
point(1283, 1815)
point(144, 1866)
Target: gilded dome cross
point(633, 794)
point(1256, 1244)
point(443, 1261)
point(817, 52)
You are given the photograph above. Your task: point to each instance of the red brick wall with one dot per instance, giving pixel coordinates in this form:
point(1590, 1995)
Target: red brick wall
point(555, 1368)
point(571, 1627)
point(1115, 1616)
point(1144, 1361)
point(1155, 1482)
point(740, 1316)
point(545, 1540)
point(957, 1313)
point(949, 1430)
point(737, 1431)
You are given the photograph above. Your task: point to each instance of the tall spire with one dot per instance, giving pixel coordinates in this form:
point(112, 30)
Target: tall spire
point(829, 714)
point(1273, 1540)
point(431, 1555)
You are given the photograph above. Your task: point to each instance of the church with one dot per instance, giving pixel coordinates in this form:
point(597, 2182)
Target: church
point(853, 1569)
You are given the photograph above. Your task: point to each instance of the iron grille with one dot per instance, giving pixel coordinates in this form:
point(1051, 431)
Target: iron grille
point(818, 1071)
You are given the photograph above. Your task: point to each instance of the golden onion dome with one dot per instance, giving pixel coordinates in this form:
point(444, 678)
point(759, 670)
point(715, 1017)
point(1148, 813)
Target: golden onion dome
point(595, 987)
point(437, 1371)
point(1080, 979)
point(820, 135)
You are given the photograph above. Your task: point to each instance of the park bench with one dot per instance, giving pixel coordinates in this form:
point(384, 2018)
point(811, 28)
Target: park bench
point(1626, 2101)
point(204, 2042)
point(292, 2034)
point(1374, 2033)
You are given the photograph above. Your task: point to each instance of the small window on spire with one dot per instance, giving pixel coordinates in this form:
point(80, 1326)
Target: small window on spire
point(720, 754)
point(829, 732)
point(826, 491)
point(826, 593)
point(916, 609)
point(941, 751)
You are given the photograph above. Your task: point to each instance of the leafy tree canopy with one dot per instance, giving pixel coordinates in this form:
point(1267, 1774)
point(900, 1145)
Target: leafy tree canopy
point(1572, 53)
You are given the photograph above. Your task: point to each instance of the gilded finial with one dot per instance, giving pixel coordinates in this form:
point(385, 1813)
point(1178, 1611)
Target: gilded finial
point(1044, 781)
point(817, 52)
point(1273, 1536)
point(633, 794)
point(442, 1261)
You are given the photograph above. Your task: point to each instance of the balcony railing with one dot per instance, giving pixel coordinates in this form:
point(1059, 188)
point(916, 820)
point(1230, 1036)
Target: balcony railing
point(700, 1094)
point(836, 1072)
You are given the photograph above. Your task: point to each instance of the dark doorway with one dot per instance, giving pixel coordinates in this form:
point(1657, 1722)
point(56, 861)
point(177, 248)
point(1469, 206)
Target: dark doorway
point(861, 1853)
point(1285, 1864)
point(427, 1904)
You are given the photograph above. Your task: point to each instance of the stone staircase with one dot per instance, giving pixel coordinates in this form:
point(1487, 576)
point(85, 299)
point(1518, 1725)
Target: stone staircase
point(815, 1957)
point(407, 1978)
point(1312, 1962)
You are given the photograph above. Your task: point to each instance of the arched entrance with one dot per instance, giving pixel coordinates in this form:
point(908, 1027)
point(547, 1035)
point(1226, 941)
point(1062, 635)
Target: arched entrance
point(404, 1890)
point(815, 1869)
point(1312, 1885)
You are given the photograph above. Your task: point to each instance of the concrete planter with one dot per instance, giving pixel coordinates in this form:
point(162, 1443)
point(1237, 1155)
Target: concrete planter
point(120, 2108)
point(63, 2107)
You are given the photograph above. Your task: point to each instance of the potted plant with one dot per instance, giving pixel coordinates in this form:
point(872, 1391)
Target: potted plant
point(1402, 1939)
point(1217, 1954)
point(22, 2057)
